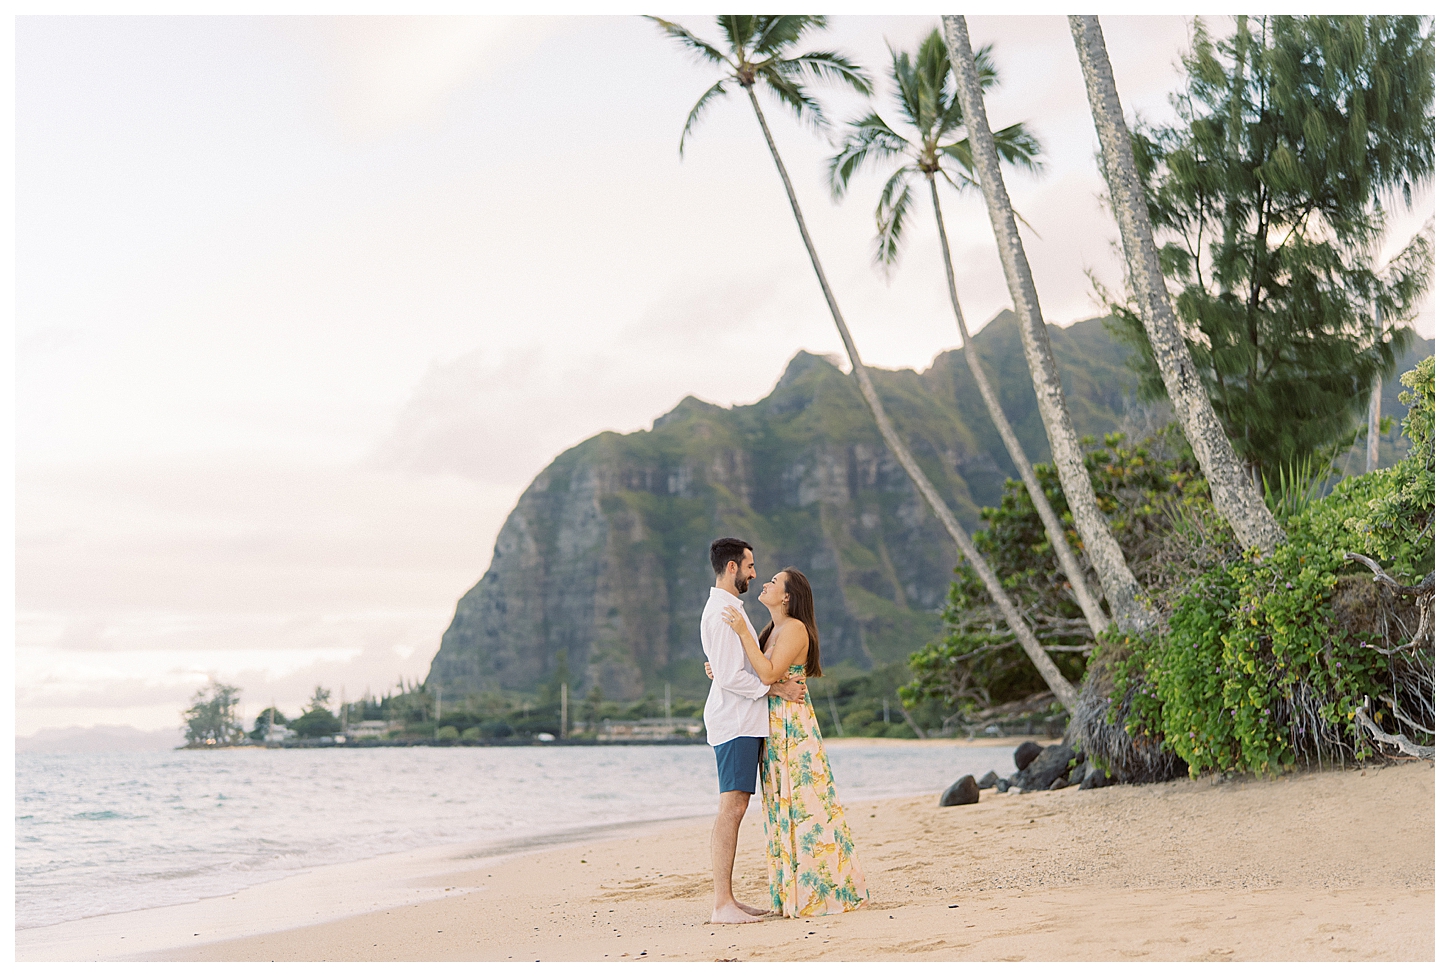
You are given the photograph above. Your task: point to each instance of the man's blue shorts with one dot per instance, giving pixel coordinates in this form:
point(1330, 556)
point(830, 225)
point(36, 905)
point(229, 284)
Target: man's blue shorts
point(738, 761)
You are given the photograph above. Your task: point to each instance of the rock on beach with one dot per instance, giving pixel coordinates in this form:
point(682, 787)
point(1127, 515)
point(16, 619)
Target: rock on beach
point(1050, 765)
point(964, 791)
point(1026, 753)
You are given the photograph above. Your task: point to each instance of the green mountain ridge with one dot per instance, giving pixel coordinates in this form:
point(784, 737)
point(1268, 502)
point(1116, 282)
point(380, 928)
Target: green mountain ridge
point(604, 558)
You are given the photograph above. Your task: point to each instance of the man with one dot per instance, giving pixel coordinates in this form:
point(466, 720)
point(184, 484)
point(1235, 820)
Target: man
point(737, 717)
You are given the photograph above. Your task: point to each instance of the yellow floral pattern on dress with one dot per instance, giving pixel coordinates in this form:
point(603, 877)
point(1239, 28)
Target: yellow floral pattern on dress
point(812, 862)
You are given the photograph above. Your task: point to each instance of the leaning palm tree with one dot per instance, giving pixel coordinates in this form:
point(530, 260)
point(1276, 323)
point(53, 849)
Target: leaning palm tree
point(1230, 486)
point(938, 149)
point(759, 52)
point(1126, 598)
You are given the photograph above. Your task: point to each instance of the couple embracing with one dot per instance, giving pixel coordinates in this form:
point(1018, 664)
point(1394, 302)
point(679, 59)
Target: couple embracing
point(759, 718)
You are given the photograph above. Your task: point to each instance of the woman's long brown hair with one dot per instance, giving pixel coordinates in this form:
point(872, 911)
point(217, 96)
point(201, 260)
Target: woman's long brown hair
point(802, 607)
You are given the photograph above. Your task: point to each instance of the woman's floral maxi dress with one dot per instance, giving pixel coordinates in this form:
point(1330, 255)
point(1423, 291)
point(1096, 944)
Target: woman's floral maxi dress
point(812, 862)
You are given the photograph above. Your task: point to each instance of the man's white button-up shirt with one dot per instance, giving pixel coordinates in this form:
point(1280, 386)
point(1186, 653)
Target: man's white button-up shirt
point(737, 704)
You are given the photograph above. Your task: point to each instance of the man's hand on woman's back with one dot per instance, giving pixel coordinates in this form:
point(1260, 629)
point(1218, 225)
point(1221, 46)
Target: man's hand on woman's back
point(790, 689)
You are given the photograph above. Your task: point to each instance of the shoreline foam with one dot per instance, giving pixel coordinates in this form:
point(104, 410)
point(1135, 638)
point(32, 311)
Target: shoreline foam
point(311, 896)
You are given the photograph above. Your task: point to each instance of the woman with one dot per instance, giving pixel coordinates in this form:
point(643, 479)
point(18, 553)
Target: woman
point(814, 870)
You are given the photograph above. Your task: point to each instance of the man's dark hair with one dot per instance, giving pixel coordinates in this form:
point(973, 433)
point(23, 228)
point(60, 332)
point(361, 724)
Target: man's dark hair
point(725, 550)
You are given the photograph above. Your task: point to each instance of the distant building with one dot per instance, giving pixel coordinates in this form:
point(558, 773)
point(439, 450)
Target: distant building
point(277, 734)
point(648, 730)
point(371, 729)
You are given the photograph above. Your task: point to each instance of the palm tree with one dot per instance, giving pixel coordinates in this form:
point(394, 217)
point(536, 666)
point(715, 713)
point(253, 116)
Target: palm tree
point(939, 149)
point(1233, 491)
point(1129, 604)
point(758, 52)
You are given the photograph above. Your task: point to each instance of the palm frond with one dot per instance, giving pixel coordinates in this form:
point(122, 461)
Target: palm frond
point(986, 67)
point(904, 88)
point(933, 63)
point(935, 68)
point(960, 153)
point(711, 93)
point(778, 32)
point(740, 31)
point(827, 66)
point(893, 211)
point(1017, 146)
point(868, 139)
point(951, 118)
point(793, 96)
point(703, 49)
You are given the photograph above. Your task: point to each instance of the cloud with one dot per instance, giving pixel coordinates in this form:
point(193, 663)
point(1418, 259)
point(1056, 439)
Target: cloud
point(383, 73)
point(137, 580)
point(500, 416)
point(150, 689)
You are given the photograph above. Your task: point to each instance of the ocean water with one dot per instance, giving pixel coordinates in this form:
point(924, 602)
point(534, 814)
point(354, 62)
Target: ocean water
point(105, 833)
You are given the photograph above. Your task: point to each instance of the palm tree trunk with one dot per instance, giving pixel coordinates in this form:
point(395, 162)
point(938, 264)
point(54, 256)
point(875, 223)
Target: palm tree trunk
point(1376, 392)
point(1230, 486)
point(1065, 556)
point(1129, 604)
point(1056, 681)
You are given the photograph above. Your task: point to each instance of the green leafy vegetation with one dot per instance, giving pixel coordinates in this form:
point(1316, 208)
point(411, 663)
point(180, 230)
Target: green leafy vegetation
point(1264, 664)
point(1142, 488)
point(1398, 527)
point(212, 719)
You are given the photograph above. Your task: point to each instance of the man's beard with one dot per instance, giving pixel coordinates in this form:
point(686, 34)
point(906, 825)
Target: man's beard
point(742, 583)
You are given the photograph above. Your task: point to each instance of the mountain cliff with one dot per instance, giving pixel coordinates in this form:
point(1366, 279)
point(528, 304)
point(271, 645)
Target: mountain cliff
point(605, 556)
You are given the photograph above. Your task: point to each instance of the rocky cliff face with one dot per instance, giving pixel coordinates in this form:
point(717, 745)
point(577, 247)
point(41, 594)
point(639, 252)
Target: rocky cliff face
point(605, 556)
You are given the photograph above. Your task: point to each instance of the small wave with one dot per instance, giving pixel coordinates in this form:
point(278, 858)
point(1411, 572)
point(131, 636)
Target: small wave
point(106, 816)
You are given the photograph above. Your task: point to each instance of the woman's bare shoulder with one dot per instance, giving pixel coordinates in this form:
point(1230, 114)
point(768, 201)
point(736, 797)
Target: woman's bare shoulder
point(795, 632)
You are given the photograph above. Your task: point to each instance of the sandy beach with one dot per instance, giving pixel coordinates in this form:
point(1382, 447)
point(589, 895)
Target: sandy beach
point(1334, 865)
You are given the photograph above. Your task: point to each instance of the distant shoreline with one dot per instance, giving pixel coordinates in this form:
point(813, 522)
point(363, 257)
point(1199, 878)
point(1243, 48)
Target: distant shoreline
point(994, 741)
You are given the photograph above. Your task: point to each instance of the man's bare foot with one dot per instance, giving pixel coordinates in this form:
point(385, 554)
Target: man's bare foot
point(751, 909)
point(732, 914)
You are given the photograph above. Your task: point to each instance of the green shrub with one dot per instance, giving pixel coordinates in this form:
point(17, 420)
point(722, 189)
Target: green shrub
point(1398, 528)
point(316, 722)
point(1143, 488)
point(471, 735)
point(1257, 671)
point(863, 722)
point(448, 734)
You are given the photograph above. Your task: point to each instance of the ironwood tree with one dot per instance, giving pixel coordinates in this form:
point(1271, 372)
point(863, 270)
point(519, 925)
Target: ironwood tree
point(1270, 195)
point(212, 719)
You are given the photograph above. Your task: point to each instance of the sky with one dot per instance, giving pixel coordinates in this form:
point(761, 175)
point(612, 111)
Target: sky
point(303, 305)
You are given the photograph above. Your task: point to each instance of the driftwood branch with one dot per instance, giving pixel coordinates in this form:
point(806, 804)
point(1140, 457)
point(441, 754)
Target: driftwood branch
point(1424, 594)
point(1400, 740)
point(1395, 708)
point(1423, 587)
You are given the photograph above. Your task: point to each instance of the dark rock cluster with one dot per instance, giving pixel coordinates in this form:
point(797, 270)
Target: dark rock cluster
point(1038, 768)
point(1054, 768)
